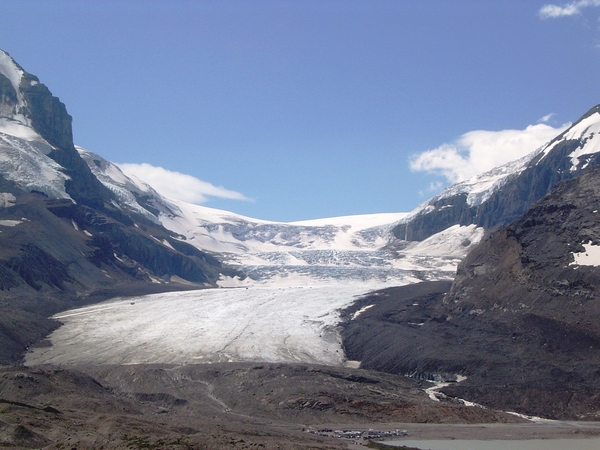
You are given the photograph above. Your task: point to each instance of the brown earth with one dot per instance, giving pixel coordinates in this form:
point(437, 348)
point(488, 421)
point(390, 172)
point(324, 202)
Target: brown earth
point(235, 405)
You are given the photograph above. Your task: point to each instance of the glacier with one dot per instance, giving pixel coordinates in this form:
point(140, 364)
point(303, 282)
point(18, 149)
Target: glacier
point(300, 276)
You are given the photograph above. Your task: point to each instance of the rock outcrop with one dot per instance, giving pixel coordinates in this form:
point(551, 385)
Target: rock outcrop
point(521, 320)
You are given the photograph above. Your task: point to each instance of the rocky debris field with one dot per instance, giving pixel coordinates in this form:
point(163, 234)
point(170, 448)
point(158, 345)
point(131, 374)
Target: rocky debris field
point(234, 405)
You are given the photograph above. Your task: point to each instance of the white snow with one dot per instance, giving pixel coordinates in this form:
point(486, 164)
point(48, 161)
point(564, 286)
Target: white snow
point(24, 162)
point(287, 309)
point(10, 70)
point(282, 313)
point(19, 130)
point(23, 152)
point(586, 132)
point(589, 257)
point(121, 185)
point(7, 199)
point(10, 223)
point(479, 188)
point(359, 222)
point(272, 324)
point(360, 311)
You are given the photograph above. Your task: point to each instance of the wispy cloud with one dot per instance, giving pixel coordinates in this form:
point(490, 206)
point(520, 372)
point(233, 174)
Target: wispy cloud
point(179, 186)
point(570, 9)
point(478, 151)
point(546, 118)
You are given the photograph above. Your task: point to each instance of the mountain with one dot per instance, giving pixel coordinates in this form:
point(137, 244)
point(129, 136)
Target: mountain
point(500, 196)
point(64, 237)
point(352, 249)
point(520, 318)
point(75, 229)
point(521, 321)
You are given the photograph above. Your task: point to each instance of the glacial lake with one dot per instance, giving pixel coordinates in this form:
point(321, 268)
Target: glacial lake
point(472, 444)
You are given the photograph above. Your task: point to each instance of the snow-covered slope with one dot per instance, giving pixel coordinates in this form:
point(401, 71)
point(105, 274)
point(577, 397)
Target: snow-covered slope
point(343, 249)
point(352, 249)
point(23, 152)
point(503, 194)
point(585, 132)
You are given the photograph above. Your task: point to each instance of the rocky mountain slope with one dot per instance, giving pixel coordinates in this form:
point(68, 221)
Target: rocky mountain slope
point(64, 237)
point(500, 196)
point(521, 320)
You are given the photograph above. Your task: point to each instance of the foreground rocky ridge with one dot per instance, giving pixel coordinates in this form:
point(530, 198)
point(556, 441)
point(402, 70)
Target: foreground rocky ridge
point(217, 406)
point(521, 320)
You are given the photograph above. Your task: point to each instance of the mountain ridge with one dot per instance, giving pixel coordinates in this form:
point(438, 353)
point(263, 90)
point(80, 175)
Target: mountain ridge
point(64, 239)
point(520, 321)
point(498, 197)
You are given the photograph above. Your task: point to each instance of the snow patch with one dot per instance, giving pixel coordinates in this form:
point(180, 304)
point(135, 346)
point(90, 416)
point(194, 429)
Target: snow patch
point(10, 223)
point(24, 161)
point(352, 364)
point(360, 311)
point(22, 131)
point(589, 257)
point(7, 200)
point(586, 132)
point(9, 69)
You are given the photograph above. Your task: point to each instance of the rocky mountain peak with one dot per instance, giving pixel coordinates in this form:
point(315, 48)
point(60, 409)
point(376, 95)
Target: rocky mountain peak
point(29, 111)
point(498, 197)
point(65, 236)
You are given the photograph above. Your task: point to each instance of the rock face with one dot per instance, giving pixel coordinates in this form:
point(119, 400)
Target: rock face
point(521, 320)
point(514, 187)
point(64, 237)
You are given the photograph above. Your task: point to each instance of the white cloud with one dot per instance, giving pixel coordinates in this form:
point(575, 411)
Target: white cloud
point(177, 185)
point(570, 9)
point(546, 118)
point(478, 151)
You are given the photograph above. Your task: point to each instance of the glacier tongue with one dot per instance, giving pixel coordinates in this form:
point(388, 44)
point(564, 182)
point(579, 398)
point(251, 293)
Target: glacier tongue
point(272, 324)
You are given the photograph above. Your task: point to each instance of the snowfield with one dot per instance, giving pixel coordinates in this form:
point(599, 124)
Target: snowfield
point(272, 324)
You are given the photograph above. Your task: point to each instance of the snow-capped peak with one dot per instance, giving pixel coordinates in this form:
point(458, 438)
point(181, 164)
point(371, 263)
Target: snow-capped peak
point(583, 136)
point(23, 152)
point(10, 69)
point(14, 111)
point(478, 188)
point(586, 131)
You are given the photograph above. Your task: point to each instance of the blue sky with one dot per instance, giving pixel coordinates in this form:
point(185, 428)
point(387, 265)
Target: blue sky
point(292, 110)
